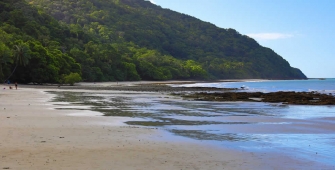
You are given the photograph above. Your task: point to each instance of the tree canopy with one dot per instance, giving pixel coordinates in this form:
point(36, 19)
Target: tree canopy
point(125, 40)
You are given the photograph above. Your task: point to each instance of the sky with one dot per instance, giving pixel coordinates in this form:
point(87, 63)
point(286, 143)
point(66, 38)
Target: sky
point(301, 31)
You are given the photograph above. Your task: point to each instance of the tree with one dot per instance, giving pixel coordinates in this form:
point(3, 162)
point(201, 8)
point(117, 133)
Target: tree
point(72, 78)
point(21, 54)
point(5, 54)
point(195, 70)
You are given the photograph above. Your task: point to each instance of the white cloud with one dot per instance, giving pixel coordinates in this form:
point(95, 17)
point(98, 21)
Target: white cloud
point(270, 36)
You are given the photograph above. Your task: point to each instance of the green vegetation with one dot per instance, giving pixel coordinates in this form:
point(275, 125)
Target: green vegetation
point(118, 40)
point(30, 48)
point(72, 78)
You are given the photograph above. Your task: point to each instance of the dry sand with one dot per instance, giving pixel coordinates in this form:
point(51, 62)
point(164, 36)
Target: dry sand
point(34, 135)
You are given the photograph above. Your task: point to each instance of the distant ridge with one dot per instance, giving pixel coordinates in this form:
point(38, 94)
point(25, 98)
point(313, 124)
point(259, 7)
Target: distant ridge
point(137, 40)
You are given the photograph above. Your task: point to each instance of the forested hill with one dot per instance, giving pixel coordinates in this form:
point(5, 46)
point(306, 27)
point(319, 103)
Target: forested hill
point(31, 45)
point(133, 40)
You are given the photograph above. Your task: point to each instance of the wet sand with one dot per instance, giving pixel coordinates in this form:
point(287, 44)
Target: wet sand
point(34, 135)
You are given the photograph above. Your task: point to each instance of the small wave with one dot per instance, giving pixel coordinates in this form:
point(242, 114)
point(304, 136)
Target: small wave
point(323, 91)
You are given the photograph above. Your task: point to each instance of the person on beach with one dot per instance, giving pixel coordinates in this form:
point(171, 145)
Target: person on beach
point(16, 85)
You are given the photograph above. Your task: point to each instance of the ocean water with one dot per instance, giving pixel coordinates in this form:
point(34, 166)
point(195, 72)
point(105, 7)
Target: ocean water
point(304, 133)
point(319, 85)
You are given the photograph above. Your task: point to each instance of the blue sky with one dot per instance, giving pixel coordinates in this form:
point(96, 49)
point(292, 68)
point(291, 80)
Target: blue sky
point(301, 31)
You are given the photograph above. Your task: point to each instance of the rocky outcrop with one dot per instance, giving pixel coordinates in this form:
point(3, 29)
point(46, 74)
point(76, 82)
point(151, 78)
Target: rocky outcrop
point(301, 98)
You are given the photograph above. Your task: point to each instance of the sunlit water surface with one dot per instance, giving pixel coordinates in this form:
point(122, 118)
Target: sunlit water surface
point(318, 85)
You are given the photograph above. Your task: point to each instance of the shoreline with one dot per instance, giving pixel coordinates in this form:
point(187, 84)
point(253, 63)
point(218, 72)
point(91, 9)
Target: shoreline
point(205, 93)
point(35, 135)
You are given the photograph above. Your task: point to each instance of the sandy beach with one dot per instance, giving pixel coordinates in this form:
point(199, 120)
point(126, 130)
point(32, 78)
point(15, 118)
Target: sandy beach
point(35, 135)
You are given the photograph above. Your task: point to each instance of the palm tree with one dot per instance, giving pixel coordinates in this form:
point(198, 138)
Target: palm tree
point(21, 54)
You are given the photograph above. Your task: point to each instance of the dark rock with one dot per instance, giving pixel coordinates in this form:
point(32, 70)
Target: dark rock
point(301, 98)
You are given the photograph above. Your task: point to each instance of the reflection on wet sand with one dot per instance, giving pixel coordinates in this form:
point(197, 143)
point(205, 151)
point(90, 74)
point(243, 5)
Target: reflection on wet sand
point(304, 131)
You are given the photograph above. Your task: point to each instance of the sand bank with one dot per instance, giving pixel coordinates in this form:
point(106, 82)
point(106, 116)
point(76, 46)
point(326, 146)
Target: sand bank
point(34, 135)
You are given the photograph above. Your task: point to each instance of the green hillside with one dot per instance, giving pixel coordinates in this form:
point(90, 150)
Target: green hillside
point(30, 48)
point(134, 40)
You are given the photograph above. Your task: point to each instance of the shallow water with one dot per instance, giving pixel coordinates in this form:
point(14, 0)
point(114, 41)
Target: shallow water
point(322, 86)
point(306, 132)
